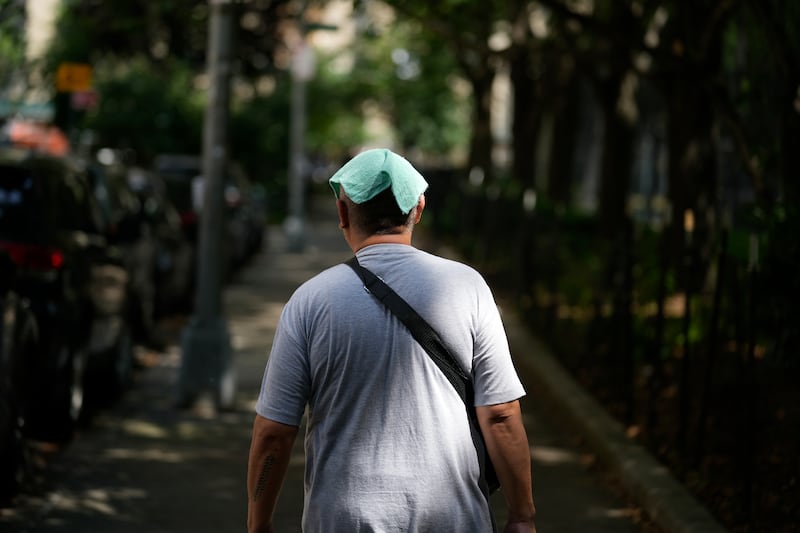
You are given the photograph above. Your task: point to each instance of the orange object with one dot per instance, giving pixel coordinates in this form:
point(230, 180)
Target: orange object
point(37, 136)
point(73, 77)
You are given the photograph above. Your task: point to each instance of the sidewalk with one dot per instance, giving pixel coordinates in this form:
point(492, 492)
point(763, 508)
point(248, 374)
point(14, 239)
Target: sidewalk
point(144, 466)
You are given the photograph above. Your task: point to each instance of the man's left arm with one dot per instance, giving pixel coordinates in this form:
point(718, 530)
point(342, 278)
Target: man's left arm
point(507, 444)
point(270, 450)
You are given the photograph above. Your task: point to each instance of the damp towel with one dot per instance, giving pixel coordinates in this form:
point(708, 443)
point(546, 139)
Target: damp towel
point(373, 171)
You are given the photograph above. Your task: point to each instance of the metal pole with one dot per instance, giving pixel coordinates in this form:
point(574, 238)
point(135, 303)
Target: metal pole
point(302, 71)
point(295, 224)
point(206, 369)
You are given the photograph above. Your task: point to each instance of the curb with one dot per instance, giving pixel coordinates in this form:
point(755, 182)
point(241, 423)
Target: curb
point(649, 483)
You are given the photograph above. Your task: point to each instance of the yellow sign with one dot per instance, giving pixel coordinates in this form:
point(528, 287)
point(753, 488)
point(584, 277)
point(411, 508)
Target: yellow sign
point(73, 77)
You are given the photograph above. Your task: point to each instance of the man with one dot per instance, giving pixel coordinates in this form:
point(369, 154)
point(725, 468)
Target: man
point(388, 444)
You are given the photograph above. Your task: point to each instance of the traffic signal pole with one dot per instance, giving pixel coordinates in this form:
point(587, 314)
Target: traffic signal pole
point(207, 375)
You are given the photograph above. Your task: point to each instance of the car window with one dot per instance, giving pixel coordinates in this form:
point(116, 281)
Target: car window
point(78, 210)
point(40, 198)
point(179, 188)
point(22, 213)
point(178, 182)
point(112, 192)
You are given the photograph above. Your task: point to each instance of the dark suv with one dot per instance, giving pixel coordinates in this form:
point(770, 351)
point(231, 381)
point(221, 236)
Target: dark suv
point(74, 282)
point(128, 231)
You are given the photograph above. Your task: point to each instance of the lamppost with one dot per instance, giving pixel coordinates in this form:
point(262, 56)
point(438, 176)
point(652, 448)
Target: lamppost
point(302, 71)
point(206, 366)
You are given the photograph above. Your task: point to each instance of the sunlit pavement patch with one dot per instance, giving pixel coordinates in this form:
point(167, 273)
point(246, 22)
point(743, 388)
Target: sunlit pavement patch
point(551, 456)
point(144, 428)
point(149, 454)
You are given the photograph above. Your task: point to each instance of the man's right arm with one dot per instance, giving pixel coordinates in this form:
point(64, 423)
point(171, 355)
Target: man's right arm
point(270, 450)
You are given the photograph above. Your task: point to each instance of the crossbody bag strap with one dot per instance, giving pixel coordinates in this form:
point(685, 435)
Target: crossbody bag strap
point(419, 328)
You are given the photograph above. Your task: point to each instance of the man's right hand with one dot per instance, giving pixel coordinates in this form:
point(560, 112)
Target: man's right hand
point(520, 527)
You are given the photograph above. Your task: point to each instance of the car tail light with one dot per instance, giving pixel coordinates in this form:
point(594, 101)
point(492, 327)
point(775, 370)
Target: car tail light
point(34, 257)
point(188, 218)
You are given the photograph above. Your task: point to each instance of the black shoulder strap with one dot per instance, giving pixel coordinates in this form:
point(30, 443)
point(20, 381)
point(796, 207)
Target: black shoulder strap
point(419, 328)
point(430, 340)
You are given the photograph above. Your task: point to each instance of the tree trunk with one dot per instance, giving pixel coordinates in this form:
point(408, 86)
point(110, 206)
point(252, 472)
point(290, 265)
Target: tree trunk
point(526, 119)
point(481, 144)
point(559, 183)
point(692, 178)
point(790, 141)
point(473, 210)
point(616, 161)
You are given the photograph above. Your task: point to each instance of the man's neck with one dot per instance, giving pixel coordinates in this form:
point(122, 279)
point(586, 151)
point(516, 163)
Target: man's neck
point(390, 238)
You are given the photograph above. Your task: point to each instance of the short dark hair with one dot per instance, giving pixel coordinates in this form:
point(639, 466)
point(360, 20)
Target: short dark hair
point(380, 215)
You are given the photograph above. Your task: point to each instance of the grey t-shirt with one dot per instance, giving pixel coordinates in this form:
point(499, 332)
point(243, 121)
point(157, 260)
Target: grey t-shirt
point(388, 444)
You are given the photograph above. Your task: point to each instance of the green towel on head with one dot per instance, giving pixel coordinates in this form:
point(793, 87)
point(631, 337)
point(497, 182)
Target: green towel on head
point(373, 171)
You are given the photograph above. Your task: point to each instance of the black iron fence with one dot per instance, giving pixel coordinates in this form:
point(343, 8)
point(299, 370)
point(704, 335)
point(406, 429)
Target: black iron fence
point(695, 351)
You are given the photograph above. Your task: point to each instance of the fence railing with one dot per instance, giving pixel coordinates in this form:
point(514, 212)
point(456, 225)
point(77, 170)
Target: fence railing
point(695, 352)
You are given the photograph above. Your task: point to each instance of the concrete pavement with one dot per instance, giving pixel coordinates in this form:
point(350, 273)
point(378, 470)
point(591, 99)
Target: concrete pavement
point(144, 466)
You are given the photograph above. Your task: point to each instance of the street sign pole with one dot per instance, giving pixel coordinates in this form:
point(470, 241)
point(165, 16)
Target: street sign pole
point(302, 72)
point(207, 377)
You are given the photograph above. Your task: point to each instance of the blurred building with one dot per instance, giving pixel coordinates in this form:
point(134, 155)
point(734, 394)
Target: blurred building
point(41, 15)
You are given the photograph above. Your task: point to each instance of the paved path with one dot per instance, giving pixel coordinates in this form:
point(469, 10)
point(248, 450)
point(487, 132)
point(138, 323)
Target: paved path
point(145, 467)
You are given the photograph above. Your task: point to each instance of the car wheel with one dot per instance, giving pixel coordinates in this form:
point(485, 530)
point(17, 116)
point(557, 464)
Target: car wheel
point(53, 416)
point(123, 362)
point(75, 380)
point(111, 375)
point(11, 450)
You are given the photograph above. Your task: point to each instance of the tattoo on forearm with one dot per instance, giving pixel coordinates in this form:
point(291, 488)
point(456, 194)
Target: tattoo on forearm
point(262, 476)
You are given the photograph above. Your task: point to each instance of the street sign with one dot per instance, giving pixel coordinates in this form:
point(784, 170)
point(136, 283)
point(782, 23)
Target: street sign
point(73, 77)
point(42, 111)
point(83, 100)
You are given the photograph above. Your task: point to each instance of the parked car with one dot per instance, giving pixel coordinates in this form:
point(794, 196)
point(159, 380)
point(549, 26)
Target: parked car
point(127, 229)
point(75, 283)
point(175, 259)
point(17, 337)
point(244, 229)
point(253, 206)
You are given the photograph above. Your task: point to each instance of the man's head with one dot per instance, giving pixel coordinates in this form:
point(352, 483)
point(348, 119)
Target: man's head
point(381, 190)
